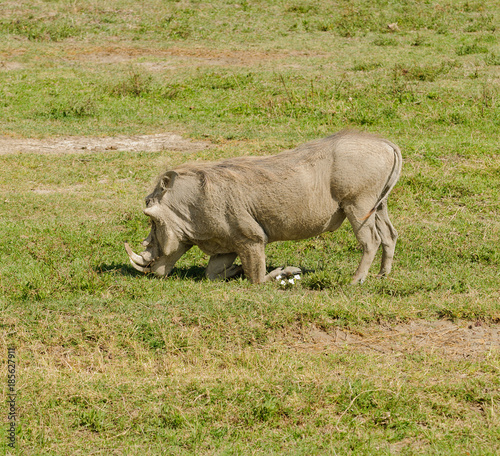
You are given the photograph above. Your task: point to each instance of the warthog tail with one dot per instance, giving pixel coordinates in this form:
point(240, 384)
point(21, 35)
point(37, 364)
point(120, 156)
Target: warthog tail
point(391, 180)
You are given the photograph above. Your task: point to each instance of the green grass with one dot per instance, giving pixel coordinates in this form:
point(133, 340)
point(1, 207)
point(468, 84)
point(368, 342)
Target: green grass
point(114, 362)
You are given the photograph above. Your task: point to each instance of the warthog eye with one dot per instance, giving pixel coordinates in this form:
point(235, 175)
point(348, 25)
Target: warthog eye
point(149, 201)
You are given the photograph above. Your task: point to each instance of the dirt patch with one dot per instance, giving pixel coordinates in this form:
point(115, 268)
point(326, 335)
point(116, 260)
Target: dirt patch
point(161, 59)
point(171, 58)
point(8, 66)
point(456, 340)
point(118, 54)
point(82, 144)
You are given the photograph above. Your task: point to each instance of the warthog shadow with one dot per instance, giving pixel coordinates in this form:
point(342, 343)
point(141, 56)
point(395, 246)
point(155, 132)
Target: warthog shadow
point(196, 273)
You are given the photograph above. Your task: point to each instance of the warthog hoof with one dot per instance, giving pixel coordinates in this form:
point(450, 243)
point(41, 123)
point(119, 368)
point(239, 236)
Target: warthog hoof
point(285, 273)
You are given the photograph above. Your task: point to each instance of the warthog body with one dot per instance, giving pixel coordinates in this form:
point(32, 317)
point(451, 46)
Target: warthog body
point(235, 207)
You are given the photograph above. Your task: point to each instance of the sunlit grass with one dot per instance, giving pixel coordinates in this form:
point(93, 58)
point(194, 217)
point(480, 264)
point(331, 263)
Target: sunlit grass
point(117, 362)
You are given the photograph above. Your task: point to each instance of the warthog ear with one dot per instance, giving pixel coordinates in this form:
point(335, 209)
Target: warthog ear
point(167, 180)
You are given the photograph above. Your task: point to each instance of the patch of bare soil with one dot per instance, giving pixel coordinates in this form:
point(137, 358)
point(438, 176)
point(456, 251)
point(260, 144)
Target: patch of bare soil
point(177, 57)
point(455, 340)
point(161, 59)
point(8, 66)
point(79, 144)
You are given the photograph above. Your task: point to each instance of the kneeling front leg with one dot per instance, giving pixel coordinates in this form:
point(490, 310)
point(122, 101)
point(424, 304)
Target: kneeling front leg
point(221, 267)
point(253, 260)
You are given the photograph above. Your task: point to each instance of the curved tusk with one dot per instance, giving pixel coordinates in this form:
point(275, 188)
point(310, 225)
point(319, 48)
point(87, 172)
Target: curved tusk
point(139, 268)
point(137, 259)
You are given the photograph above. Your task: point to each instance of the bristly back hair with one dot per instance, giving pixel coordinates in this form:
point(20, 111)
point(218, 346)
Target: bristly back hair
point(237, 169)
point(264, 168)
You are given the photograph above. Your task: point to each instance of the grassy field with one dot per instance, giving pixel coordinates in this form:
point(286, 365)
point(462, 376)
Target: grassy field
point(109, 361)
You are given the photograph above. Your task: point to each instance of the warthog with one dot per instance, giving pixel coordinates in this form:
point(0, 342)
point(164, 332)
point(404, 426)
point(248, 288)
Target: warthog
point(233, 208)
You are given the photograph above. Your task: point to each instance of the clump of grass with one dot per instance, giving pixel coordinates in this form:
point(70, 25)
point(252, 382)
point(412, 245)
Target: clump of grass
point(93, 419)
point(136, 84)
point(66, 109)
point(302, 8)
point(42, 29)
point(366, 66)
point(468, 49)
point(111, 358)
point(420, 40)
point(492, 59)
point(321, 280)
point(423, 72)
point(175, 25)
point(385, 41)
point(481, 23)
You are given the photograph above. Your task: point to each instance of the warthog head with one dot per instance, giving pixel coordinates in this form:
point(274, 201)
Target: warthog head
point(162, 246)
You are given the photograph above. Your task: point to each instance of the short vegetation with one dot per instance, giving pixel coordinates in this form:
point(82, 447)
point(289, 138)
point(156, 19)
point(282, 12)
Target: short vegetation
point(114, 362)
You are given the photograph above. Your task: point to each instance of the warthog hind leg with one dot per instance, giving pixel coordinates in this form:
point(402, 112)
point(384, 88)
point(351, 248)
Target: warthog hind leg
point(388, 236)
point(367, 235)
